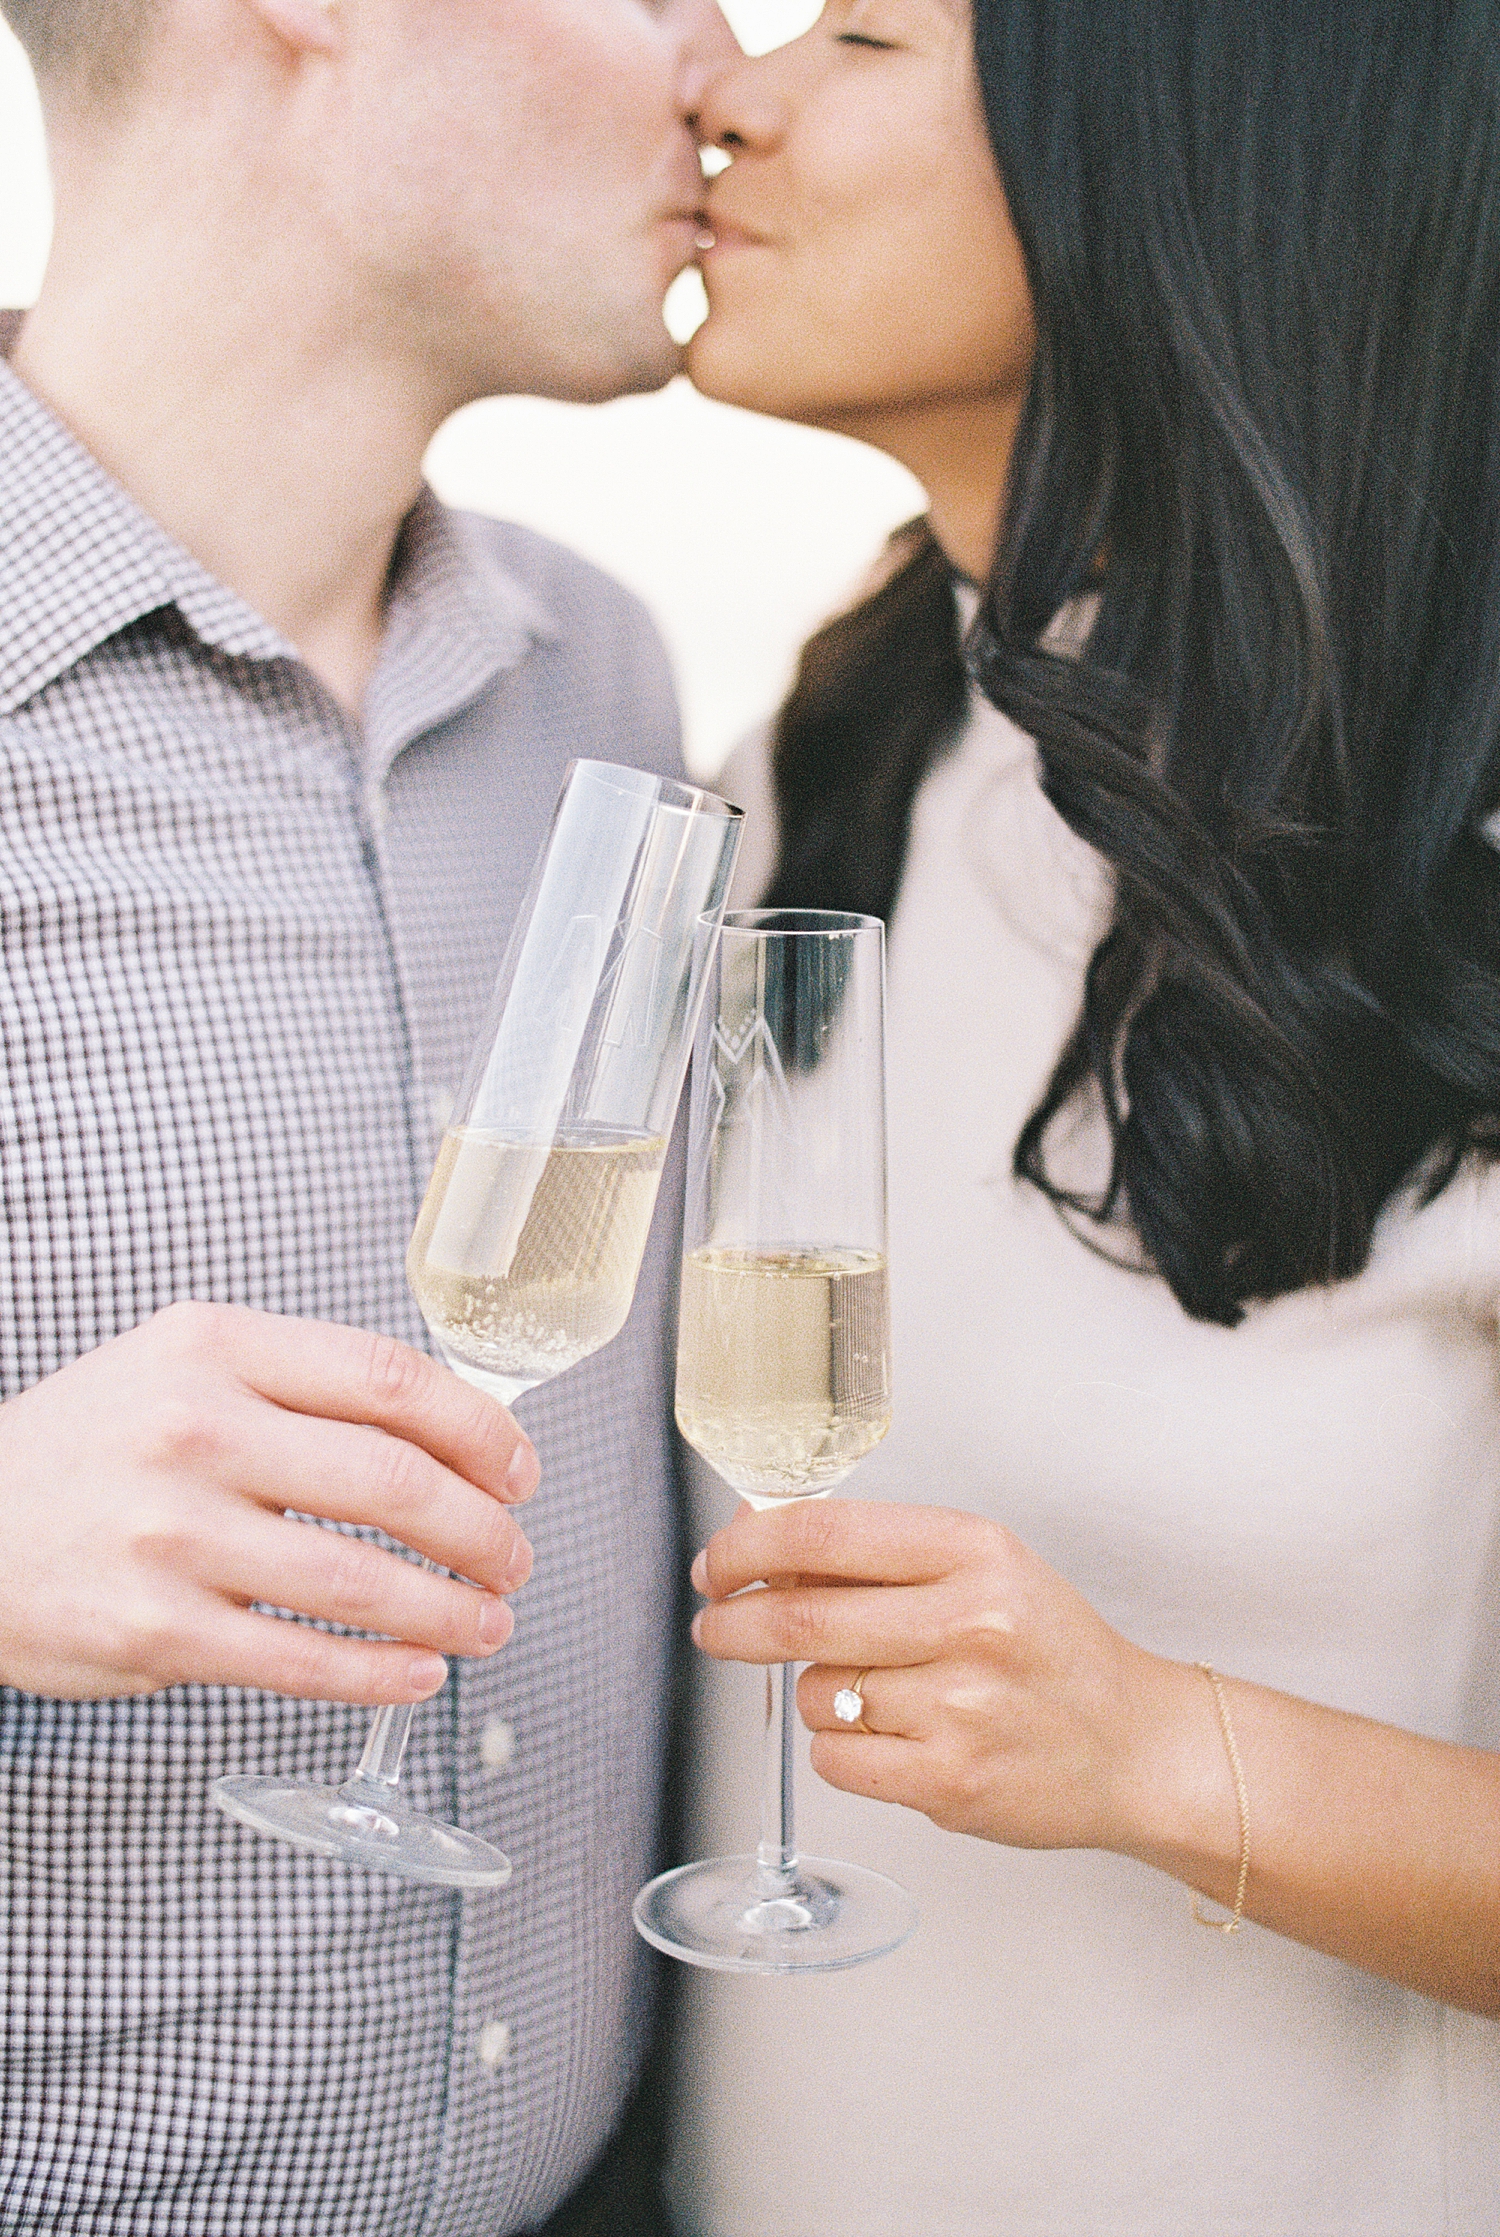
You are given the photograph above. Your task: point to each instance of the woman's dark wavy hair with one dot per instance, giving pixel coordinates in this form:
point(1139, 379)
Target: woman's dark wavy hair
point(1263, 242)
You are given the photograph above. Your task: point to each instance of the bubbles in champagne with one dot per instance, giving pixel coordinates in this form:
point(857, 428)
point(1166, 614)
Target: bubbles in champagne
point(783, 1365)
point(525, 1255)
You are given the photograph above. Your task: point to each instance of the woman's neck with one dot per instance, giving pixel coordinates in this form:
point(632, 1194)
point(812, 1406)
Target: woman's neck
point(960, 451)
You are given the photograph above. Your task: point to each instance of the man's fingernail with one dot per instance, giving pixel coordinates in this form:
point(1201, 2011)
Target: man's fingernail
point(495, 1622)
point(426, 1672)
point(697, 1629)
point(700, 1572)
point(525, 1471)
point(519, 1567)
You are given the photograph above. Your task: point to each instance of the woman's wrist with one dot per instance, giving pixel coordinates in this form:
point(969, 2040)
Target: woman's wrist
point(1178, 1806)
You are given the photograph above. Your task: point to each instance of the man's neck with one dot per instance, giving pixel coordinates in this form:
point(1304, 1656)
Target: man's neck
point(241, 412)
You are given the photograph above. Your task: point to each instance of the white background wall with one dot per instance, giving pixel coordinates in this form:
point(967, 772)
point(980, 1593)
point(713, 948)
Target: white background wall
point(740, 533)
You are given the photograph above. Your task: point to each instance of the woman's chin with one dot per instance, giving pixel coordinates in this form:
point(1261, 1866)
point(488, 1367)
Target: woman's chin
point(717, 372)
point(740, 377)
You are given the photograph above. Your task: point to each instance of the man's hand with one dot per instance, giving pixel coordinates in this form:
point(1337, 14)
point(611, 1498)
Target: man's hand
point(142, 1498)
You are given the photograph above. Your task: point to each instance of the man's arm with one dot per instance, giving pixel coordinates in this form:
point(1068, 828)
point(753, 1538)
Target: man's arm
point(143, 1492)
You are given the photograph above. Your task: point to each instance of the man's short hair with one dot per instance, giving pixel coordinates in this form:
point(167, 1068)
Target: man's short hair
point(92, 46)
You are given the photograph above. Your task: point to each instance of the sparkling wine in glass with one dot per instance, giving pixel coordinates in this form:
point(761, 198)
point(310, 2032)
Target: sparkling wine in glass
point(526, 1250)
point(783, 1362)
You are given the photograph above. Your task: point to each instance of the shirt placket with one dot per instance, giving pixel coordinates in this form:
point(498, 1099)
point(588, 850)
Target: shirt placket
point(465, 1737)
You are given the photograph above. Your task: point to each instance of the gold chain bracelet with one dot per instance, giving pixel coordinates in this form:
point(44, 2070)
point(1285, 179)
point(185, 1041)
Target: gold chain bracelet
point(1232, 1924)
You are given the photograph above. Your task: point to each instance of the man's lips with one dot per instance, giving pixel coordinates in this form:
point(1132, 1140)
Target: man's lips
point(720, 232)
point(684, 231)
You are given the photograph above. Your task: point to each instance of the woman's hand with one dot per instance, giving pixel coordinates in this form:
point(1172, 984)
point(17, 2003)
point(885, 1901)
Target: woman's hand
point(997, 1700)
point(1001, 1704)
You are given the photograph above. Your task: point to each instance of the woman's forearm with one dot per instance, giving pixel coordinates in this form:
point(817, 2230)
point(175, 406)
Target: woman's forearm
point(1375, 1845)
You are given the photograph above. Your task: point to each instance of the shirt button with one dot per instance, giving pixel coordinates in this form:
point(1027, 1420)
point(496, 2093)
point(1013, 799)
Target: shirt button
point(378, 809)
point(441, 1107)
point(494, 2044)
point(497, 1743)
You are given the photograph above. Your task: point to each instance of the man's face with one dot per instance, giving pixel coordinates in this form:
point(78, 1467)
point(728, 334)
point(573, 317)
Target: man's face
point(517, 180)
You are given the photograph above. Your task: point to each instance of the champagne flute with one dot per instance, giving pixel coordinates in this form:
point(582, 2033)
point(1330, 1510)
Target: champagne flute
point(783, 1375)
point(529, 1241)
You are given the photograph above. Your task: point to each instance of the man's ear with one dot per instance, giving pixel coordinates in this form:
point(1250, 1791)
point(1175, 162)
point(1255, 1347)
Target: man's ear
point(305, 26)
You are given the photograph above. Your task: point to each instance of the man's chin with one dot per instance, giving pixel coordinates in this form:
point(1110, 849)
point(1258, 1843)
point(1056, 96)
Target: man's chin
point(614, 367)
point(642, 377)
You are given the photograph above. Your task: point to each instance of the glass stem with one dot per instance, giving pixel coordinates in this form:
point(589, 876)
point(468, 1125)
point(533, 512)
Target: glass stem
point(776, 1871)
point(386, 1745)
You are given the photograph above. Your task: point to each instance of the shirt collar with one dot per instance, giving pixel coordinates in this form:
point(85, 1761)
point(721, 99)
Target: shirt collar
point(80, 561)
point(454, 621)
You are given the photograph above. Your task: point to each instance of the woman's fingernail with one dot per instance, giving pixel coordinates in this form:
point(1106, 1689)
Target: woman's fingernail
point(700, 1572)
point(496, 1622)
point(697, 1629)
point(425, 1673)
point(525, 1471)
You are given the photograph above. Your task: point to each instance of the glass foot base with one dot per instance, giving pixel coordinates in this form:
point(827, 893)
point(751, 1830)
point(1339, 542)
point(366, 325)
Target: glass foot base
point(364, 1822)
point(716, 1915)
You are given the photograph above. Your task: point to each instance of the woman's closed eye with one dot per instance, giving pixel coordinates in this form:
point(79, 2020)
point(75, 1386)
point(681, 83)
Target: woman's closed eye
point(872, 23)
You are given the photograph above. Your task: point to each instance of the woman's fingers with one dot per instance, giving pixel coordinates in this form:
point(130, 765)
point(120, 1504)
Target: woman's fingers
point(844, 1624)
point(856, 1540)
point(963, 1776)
point(887, 1769)
point(896, 1701)
point(323, 1573)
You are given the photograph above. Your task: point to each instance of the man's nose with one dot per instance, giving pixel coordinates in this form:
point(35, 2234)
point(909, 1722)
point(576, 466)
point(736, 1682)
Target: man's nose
point(707, 45)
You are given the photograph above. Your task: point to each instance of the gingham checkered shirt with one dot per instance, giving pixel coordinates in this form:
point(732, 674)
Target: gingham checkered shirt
point(244, 946)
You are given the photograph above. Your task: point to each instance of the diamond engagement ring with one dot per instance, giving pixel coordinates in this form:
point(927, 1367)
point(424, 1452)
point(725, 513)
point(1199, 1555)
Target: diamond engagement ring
point(849, 1702)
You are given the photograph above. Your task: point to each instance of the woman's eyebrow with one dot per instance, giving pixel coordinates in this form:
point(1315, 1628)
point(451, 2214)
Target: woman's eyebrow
point(854, 11)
